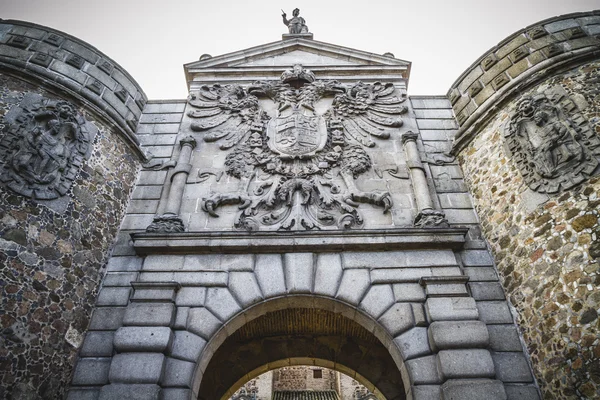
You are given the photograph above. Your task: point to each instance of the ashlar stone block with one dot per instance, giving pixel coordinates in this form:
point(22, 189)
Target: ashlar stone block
point(130, 392)
point(221, 303)
point(445, 335)
point(421, 371)
point(137, 368)
point(202, 322)
point(187, 346)
point(353, 286)
point(413, 343)
point(178, 373)
point(494, 312)
point(97, 344)
point(473, 389)
point(149, 314)
point(298, 269)
point(269, 273)
point(378, 299)
point(146, 338)
point(176, 394)
point(504, 338)
point(91, 372)
point(244, 288)
point(328, 274)
point(512, 367)
point(451, 309)
point(398, 318)
point(464, 364)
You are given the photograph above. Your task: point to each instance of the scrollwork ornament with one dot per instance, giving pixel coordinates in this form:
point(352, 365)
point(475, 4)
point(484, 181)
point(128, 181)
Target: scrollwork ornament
point(551, 142)
point(45, 144)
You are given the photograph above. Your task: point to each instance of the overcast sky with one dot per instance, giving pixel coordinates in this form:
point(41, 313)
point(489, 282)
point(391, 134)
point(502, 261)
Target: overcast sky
point(152, 39)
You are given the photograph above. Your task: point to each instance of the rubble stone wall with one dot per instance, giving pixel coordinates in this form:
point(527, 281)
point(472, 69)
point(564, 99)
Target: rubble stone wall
point(546, 247)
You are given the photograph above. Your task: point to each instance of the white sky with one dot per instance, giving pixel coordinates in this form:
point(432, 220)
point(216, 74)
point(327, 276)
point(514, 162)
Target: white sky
point(152, 39)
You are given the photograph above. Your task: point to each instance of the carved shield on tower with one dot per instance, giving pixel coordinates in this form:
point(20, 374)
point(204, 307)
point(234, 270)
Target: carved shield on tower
point(43, 148)
point(297, 135)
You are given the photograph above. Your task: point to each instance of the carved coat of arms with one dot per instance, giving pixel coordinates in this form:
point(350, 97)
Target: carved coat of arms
point(43, 147)
point(552, 143)
point(287, 158)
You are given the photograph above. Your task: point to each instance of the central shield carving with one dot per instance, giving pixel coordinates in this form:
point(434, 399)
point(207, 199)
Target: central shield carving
point(297, 135)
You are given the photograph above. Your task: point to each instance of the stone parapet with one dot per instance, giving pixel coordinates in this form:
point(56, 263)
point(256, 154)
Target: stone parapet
point(67, 64)
point(520, 61)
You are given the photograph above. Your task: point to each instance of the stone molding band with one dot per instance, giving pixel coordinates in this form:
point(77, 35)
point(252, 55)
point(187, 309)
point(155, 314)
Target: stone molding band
point(277, 242)
point(67, 64)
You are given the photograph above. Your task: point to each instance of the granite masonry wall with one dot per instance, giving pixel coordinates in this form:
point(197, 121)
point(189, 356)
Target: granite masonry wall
point(546, 247)
point(53, 253)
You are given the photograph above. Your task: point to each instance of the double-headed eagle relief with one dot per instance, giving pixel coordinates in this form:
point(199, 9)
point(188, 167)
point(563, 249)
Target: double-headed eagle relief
point(287, 155)
point(43, 147)
point(552, 143)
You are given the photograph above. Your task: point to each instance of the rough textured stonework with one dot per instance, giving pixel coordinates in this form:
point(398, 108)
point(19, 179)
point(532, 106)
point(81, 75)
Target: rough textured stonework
point(53, 261)
point(547, 248)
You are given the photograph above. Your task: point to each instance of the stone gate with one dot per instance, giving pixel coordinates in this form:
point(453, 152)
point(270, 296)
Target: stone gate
point(298, 208)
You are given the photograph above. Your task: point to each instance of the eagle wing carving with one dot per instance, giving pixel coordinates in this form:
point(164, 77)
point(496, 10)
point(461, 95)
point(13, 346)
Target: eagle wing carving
point(366, 110)
point(229, 109)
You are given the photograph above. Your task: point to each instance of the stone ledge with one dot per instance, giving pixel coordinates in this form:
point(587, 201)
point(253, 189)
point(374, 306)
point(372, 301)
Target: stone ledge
point(282, 242)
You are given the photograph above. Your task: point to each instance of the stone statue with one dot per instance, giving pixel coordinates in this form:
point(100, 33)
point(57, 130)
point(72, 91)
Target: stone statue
point(297, 24)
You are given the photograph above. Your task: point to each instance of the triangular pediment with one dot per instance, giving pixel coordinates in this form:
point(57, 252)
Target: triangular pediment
point(281, 52)
point(268, 61)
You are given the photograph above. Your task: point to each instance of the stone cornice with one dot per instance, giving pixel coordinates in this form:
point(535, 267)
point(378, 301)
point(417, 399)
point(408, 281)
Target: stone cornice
point(281, 242)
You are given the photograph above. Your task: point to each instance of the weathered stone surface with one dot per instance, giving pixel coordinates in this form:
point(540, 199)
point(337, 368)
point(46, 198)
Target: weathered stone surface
point(107, 318)
point(298, 268)
point(354, 284)
point(91, 371)
point(451, 309)
point(137, 368)
point(413, 343)
point(421, 371)
point(445, 335)
point(178, 373)
point(504, 338)
point(398, 319)
point(467, 389)
point(221, 303)
point(190, 296)
point(459, 364)
point(328, 274)
point(97, 344)
point(134, 338)
point(187, 346)
point(149, 314)
point(244, 288)
point(521, 392)
point(269, 273)
point(176, 394)
point(512, 367)
point(494, 312)
point(202, 322)
point(378, 299)
point(131, 392)
point(83, 394)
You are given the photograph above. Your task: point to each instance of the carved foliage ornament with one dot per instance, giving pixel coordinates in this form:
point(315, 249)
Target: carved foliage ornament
point(551, 142)
point(43, 147)
point(287, 162)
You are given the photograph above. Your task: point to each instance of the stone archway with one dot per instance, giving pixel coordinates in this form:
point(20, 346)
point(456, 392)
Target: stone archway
point(295, 336)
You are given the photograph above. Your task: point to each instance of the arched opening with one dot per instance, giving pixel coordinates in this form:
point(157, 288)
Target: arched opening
point(300, 330)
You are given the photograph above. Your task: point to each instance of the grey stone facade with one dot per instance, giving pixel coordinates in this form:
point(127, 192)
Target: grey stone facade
point(299, 209)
